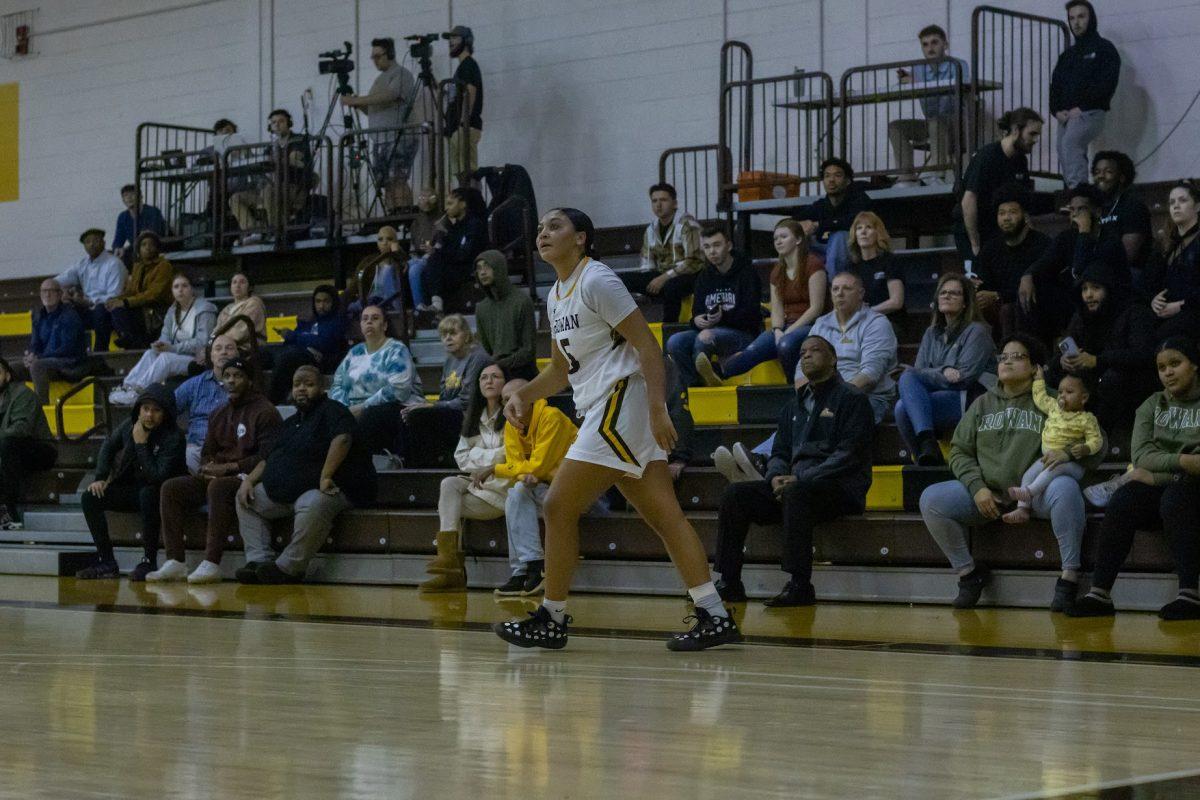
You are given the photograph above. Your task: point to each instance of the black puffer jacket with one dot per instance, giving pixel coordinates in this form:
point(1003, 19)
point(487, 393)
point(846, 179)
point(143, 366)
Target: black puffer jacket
point(162, 457)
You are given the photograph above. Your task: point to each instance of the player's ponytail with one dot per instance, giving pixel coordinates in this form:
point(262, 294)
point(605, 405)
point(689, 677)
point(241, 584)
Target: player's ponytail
point(582, 224)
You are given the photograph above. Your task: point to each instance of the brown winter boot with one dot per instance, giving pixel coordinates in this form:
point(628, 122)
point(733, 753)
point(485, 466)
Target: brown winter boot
point(446, 582)
point(449, 558)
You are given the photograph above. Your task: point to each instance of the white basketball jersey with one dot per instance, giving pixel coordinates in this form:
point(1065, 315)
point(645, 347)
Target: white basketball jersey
point(584, 312)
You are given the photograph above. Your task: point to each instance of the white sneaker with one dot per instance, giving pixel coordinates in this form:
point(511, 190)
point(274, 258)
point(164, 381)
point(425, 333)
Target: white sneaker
point(745, 464)
point(207, 572)
point(251, 239)
point(1099, 494)
point(171, 570)
point(435, 303)
point(123, 395)
point(723, 461)
point(907, 183)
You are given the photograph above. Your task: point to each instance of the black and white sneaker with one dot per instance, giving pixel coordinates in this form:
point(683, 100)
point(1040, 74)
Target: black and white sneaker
point(7, 522)
point(709, 631)
point(540, 630)
point(512, 588)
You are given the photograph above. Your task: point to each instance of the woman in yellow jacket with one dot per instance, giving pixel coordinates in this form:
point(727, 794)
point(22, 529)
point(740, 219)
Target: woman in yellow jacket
point(530, 461)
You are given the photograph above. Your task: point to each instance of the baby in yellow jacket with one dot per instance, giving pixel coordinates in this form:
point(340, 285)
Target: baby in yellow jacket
point(1069, 434)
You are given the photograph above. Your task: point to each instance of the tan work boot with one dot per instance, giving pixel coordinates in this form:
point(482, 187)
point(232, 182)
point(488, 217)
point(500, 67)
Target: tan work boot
point(449, 557)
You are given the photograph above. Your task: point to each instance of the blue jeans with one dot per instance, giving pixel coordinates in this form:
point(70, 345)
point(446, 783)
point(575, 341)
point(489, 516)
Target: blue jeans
point(683, 347)
point(521, 508)
point(922, 408)
point(416, 267)
point(948, 509)
point(835, 251)
point(764, 348)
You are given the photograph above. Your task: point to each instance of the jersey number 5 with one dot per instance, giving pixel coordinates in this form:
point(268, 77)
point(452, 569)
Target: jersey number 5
point(573, 365)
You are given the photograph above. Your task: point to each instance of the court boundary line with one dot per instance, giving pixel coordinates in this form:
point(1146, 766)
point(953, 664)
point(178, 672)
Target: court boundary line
point(1124, 783)
point(879, 646)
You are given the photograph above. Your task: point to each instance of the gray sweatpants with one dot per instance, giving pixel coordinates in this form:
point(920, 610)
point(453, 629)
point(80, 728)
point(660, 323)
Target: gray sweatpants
point(1074, 136)
point(314, 512)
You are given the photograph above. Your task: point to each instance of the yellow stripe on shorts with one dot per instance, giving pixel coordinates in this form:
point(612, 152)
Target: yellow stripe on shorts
point(608, 424)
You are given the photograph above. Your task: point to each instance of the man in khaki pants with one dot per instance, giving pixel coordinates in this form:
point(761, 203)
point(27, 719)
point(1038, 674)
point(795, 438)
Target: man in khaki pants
point(464, 120)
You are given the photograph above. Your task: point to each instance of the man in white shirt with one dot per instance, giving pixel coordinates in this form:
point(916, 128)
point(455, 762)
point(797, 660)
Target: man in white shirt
point(95, 279)
point(391, 103)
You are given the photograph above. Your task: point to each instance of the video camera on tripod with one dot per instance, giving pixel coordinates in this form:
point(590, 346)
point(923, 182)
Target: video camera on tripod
point(422, 47)
point(337, 62)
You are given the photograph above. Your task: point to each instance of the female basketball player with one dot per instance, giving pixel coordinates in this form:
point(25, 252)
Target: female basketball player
point(606, 352)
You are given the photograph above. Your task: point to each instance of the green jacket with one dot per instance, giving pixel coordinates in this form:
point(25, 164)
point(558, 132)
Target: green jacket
point(1163, 429)
point(504, 318)
point(21, 412)
point(997, 439)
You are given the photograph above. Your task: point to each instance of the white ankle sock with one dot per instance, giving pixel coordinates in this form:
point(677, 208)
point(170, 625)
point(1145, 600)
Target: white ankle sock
point(705, 596)
point(557, 609)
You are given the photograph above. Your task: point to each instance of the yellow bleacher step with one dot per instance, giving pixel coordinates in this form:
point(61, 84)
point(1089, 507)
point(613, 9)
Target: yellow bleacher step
point(279, 322)
point(76, 419)
point(887, 489)
point(716, 405)
point(17, 323)
point(86, 397)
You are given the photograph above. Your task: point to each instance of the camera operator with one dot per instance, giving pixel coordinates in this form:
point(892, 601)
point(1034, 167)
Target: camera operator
point(469, 88)
point(390, 104)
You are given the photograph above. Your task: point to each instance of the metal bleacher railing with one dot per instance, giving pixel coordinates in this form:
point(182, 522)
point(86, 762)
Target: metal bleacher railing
point(162, 150)
point(380, 170)
point(892, 109)
point(1016, 52)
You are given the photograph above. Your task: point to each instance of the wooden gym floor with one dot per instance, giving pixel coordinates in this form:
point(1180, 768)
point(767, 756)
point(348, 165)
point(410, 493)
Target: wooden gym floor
point(112, 691)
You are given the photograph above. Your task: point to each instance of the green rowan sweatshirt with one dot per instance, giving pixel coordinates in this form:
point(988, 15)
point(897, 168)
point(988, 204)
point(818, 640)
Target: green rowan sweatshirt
point(1163, 429)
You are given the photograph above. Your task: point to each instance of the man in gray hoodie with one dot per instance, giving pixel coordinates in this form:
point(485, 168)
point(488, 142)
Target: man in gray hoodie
point(504, 318)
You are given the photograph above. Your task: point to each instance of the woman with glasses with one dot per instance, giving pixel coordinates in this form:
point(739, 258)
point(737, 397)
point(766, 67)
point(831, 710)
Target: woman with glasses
point(955, 351)
point(997, 439)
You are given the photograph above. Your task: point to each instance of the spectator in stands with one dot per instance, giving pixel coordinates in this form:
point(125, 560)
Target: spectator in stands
point(377, 370)
point(864, 342)
point(390, 104)
point(1081, 88)
point(319, 341)
point(186, 330)
point(504, 318)
point(1123, 215)
point(240, 435)
point(681, 417)
point(531, 458)
point(244, 303)
point(871, 258)
point(297, 182)
point(378, 278)
point(1046, 292)
point(1005, 258)
point(1174, 280)
point(998, 438)
point(819, 470)
point(1114, 336)
point(136, 219)
point(798, 288)
point(827, 222)
point(225, 136)
point(200, 395)
point(1161, 491)
point(318, 468)
point(464, 122)
point(428, 227)
point(956, 350)
point(477, 494)
point(671, 256)
point(451, 263)
point(135, 460)
point(137, 312)
point(994, 165)
point(726, 310)
point(58, 346)
point(26, 444)
point(97, 278)
point(427, 432)
point(939, 129)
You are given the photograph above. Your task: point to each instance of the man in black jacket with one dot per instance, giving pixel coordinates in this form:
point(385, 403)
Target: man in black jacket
point(1081, 89)
point(134, 462)
point(1114, 335)
point(726, 309)
point(827, 221)
point(1123, 216)
point(820, 469)
point(1047, 289)
point(451, 262)
point(1004, 259)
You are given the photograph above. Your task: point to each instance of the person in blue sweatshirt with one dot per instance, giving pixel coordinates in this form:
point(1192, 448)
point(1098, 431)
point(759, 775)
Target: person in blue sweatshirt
point(726, 307)
point(1081, 89)
point(58, 344)
point(320, 341)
